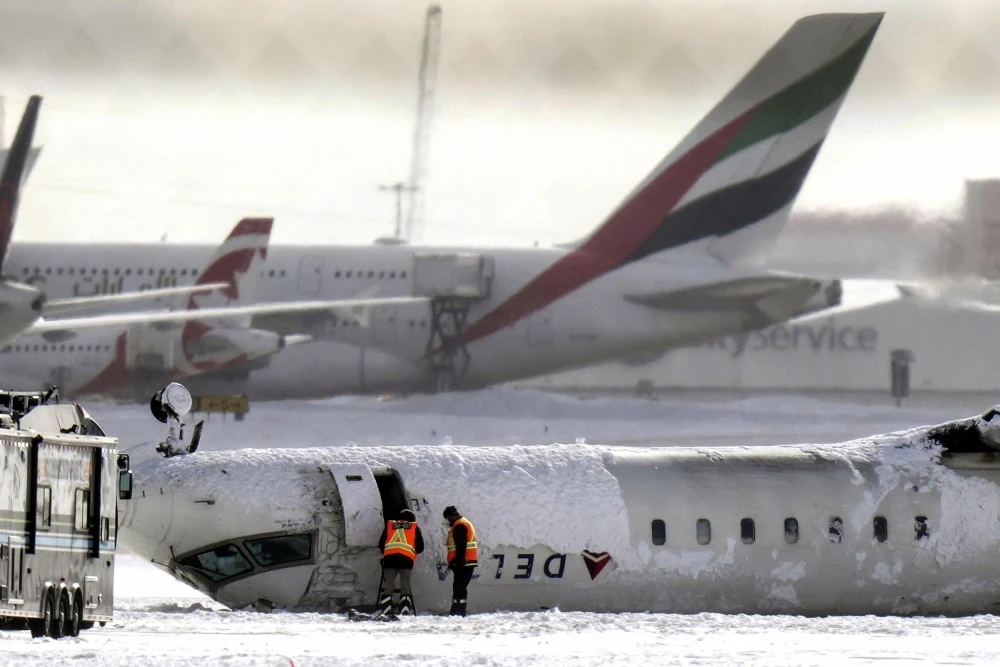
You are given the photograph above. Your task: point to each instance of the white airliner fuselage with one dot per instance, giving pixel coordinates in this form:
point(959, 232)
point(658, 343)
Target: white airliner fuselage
point(907, 523)
point(390, 353)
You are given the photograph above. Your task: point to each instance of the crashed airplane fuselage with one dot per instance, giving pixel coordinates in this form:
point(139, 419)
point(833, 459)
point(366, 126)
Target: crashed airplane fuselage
point(906, 523)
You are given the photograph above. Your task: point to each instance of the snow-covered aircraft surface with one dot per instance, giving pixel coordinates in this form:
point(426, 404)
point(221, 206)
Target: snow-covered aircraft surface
point(904, 523)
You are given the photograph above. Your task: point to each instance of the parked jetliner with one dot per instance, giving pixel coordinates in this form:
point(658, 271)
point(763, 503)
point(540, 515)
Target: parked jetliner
point(22, 304)
point(669, 267)
point(904, 523)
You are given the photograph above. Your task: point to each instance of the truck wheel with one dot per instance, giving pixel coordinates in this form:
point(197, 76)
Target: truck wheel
point(40, 626)
point(73, 621)
point(57, 628)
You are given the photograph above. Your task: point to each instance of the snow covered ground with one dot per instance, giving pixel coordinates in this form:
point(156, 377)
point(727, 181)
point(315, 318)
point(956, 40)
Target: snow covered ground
point(159, 621)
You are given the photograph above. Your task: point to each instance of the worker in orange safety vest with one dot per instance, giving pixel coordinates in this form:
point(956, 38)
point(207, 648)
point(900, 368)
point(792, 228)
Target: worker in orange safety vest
point(462, 558)
point(401, 542)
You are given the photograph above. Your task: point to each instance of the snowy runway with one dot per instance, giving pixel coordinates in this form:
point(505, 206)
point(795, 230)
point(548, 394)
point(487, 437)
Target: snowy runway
point(152, 632)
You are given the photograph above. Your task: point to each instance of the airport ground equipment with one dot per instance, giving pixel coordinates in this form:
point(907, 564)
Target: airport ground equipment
point(899, 372)
point(453, 282)
point(59, 486)
point(237, 405)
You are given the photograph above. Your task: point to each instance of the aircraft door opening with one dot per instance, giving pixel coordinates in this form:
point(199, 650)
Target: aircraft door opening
point(310, 275)
point(392, 492)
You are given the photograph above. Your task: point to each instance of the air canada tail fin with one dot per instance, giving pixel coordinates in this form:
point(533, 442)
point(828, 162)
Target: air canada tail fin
point(14, 169)
point(734, 177)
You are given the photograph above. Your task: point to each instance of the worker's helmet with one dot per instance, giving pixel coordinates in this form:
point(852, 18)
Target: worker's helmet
point(407, 515)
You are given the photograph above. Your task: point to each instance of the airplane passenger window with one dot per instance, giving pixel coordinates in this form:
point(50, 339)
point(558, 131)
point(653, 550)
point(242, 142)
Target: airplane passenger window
point(220, 563)
point(270, 551)
point(836, 532)
point(791, 531)
point(704, 531)
point(920, 526)
point(881, 526)
point(747, 531)
point(659, 532)
point(347, 275)
point(402, 274)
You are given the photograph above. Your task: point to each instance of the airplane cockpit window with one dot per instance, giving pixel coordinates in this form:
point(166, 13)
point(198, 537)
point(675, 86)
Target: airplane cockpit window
point(881, 526)
point(221, 562)
point(268, 551)
point(748, 532)
point(920, 526)
point(791, 531)
point(659, 532)
point(704, 531)
point(836, 532)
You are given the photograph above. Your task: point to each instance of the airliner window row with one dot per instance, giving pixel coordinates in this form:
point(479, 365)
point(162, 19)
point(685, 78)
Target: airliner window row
point(381, 275)
point(72, 271)
point(56, 348)
point(748, 530)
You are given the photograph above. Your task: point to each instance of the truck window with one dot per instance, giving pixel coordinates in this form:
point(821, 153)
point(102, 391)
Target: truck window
point(44, 519)
point(220, 563)
point(268, 551)
point(81, 514)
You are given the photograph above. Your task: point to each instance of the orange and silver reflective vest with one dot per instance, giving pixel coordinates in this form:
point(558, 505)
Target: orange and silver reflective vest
point(471, 548)
point(400, 539)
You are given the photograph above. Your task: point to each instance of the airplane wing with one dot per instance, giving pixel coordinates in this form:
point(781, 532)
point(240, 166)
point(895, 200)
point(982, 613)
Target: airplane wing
point(60, 306)
point(308, 311)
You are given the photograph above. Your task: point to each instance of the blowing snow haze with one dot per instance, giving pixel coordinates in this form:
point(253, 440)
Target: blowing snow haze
point(184, 115)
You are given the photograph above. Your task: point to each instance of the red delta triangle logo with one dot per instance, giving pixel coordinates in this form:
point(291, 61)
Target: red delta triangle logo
point(597, 563)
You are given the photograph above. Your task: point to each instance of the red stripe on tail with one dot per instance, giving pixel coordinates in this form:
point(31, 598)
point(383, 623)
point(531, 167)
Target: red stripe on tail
point(617, 238)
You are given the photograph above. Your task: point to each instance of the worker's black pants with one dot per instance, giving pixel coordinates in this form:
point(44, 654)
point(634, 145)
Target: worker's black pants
point(460, 588)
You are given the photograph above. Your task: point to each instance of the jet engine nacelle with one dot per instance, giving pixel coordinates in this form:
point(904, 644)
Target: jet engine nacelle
point(253, 343)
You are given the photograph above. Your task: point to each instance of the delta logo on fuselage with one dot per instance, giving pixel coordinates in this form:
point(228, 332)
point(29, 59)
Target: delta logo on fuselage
point(818, 338)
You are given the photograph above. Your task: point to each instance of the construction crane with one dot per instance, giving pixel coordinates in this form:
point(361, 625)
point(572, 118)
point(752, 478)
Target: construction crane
point(415, 185)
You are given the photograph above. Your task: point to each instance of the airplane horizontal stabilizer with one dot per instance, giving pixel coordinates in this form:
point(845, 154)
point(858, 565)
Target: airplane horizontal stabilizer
point(857, 295)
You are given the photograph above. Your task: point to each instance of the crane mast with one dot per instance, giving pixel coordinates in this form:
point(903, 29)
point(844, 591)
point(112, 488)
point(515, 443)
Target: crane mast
point(425, 113)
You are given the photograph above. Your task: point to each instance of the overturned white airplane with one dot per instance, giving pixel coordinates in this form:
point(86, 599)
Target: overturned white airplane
point(905, 523)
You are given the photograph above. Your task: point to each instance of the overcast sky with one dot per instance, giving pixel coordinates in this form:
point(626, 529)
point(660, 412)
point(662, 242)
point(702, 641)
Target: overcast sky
point(180, 117)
